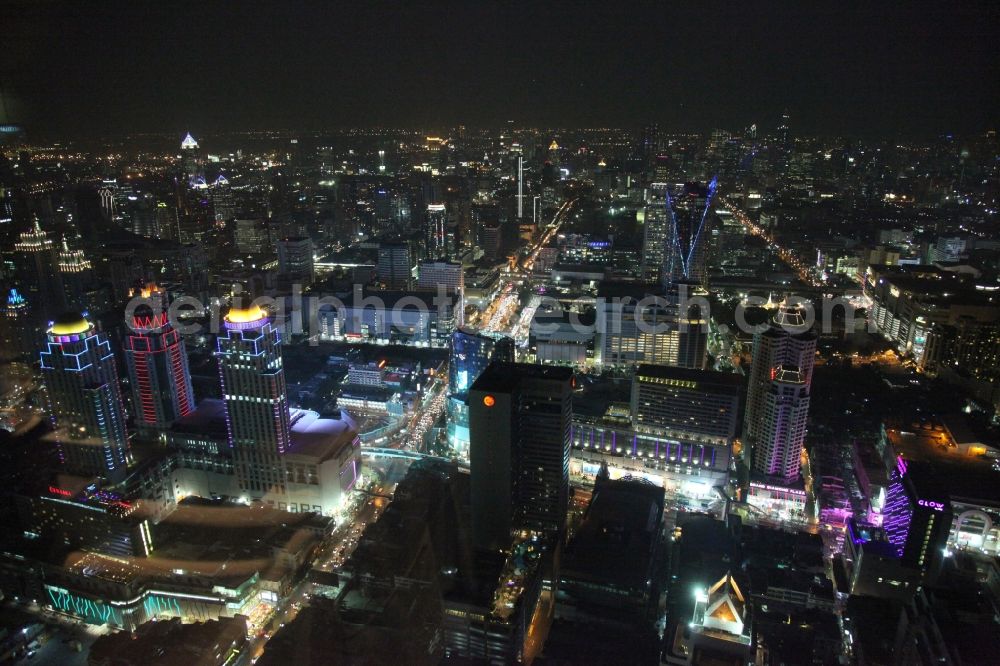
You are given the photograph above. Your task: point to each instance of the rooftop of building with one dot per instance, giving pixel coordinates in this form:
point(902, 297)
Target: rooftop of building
point(706, 549)
point(228, 541)
point(504, 377)
point(311, 435)
point(320, 438)
point(88, 492)
point(551, 315)
point(930, 282)
point(605, 400)
point(69, 323)
point(622, 288)
point(704, 379)
point(944, 465)
point(390, 297)
point(366, 392)
point(171, 643)
point(617, 540)
point(798, 635)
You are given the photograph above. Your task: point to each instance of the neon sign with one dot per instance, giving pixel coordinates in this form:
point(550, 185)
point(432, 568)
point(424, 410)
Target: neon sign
point(60, 491)
point(937, 506)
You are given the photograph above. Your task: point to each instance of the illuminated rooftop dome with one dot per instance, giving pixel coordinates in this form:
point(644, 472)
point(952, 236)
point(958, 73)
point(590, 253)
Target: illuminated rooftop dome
point(189, 143)
point(249, 317)
point(71, 323)
point(553, 145)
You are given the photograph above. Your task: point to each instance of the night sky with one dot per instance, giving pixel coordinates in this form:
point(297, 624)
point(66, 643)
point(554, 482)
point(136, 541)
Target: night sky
point(75, 69)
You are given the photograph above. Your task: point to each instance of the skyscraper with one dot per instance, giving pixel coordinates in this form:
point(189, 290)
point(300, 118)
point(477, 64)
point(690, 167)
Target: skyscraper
point(917, 516)
point(37, 271)
point(75, 274)
point(471, 353)
point(781, 424)
point(223, 204)
point(190, 166)
point(18, 330)
point(687, 303)
point(253, 389)
point(157, 366)
point(394, 265)
point(81, 381)
point(448, 274)
point(295, 258)
point(438, 242)
point(655, 226)
point(520, 419)
point(687, 233)
point(778, 393)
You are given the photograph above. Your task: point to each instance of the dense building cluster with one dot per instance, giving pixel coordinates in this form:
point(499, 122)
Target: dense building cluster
point(504, 395)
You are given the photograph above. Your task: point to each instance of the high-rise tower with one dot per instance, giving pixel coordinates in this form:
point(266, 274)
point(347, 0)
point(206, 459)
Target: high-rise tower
point(75, 273)
point(520, 417)
point(157, 366)
point(781, 424)
point(223, 203)
point(438, 242)
point(655, 229)
point(471, 353)
point(686, 238)
point(778, 393)
point(81, 380)
point(190, 166)
point(18, 330)
point(253, 388)
point(394, 265)
point(37, 271)
point(295, 258)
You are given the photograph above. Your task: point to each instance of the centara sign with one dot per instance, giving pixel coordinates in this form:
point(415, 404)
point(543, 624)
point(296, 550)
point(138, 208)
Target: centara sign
point(937, 506)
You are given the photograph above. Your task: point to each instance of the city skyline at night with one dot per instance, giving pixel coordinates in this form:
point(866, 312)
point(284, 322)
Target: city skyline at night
point(499, 333)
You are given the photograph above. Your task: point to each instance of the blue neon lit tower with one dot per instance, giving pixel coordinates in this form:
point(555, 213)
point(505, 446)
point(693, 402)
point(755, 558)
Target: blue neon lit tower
point(18, 329)
point(685, 253)
point(85, 404)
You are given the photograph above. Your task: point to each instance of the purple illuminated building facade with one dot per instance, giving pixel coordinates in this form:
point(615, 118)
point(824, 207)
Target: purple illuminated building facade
point(290, 459)
point(253, 389)
point(916, 518)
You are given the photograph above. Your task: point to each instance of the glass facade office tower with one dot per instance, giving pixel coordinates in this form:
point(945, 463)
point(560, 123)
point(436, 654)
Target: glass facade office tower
point(471, 353)
point(520, 417)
